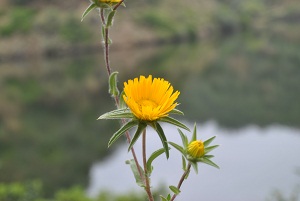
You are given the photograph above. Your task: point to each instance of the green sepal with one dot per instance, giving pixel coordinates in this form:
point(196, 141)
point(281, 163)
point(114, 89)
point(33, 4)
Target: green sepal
point(102, 5)
point(176, 111)
point(113, 88)
point(153, 156)
point(122, 130)
point(174, 122)
point(208, 156)
point(139, 131)
point(117, 114)
point(110, 18)
point(123, 4)
point(135, 172)
point(183, 163)
point(208, 161)
point(208, 141)
point(174, 189)
point(209, 149)
point(122, 103)
point(194, 136)
point(162, 136)
point(88, 10)
point(195, 166)
point(184, 139)
point(178, 147)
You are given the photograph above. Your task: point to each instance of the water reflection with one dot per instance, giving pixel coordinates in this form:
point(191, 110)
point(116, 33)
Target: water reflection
point(254, 162)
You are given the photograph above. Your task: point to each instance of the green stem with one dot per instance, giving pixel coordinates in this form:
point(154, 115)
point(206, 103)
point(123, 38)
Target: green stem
point(147, 183)
point(181, 180)
point(116, 98)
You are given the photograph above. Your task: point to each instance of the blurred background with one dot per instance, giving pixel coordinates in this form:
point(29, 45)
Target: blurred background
point(236, 63)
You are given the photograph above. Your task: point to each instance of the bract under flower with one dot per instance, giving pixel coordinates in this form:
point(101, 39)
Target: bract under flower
point(149, 99)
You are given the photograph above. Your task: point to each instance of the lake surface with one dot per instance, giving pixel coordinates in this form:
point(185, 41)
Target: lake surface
point(254, 163)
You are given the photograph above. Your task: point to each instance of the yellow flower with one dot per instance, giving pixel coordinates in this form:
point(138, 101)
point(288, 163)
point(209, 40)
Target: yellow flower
point(196, 149)
point(150, 99)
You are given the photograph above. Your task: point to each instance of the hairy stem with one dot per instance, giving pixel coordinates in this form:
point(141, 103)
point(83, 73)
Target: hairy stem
point(181, 180)
point(147, 183)
point(116, 98)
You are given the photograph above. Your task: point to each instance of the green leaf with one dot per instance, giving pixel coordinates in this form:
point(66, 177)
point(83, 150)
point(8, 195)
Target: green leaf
point(194, 137)
point(184, 139)
point(169, 197)
point(110, 18)
point(207, 142)
point(117, 114)
point(175, 189)
point(178, 147)
point(153, 156)
point(183, 163)
point(174, 122)
point(208, 161)
point(113, 88)
point(195, 166)
point(139, 130)
point(88, 10)
point(135, 172)
point(209, 149)
point(176, 111)
point(162, 136)
point(122, 130)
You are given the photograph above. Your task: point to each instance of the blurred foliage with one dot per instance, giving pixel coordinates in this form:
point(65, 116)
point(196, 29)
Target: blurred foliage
point(32, 191)
point(20, 21)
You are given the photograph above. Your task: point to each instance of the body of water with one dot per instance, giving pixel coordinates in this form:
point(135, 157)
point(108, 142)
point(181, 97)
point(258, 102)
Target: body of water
point(255, 163)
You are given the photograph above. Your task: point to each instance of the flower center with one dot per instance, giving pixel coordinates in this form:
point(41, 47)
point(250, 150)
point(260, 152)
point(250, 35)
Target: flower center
point(147, 103)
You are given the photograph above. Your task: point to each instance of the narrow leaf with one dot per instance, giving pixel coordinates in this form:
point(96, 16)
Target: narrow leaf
point(174, 122)
point(135, 172)
point(174, 190)
point(113, 88)
point(162, 136)
point(110, 18)
point(117, 114)
point(195, 166)
point(207, 142)
point(153, 156)
point(139, 130)
point(208, 156)
point(91, 7)
point(122, 130)
point(209, 149)
point(183, 138)
point(163, 198)
point(178, 147)
point(176, 111)
point(194, 137)
point(209, 162)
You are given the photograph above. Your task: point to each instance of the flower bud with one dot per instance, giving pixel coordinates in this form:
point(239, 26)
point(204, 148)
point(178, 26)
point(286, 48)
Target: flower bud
point(196, 149)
